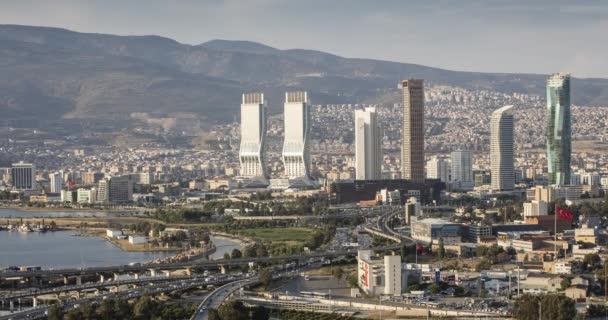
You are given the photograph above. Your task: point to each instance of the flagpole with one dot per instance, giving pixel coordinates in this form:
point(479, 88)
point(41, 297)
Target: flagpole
point(555, 234)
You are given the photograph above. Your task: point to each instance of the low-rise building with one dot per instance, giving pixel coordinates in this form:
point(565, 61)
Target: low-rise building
point(135, 239)
point(431, 230)
point(113, 233)
point(576, 292)
point(379, 275)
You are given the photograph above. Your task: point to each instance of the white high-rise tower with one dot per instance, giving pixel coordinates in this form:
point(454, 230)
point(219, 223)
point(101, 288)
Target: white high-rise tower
point(253, 135)
point(501, 149)
point(368, 149)
point(296, 156)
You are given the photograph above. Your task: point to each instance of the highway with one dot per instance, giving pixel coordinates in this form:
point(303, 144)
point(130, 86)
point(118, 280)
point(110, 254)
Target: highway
point(214, 299)
point(183, 265)
point(38, 292)
point(40, 312)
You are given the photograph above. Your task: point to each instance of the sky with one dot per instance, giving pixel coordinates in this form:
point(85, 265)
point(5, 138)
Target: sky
point(540, 36)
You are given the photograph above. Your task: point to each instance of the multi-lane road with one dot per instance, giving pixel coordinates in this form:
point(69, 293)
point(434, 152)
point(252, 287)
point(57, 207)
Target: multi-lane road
point(184, 284)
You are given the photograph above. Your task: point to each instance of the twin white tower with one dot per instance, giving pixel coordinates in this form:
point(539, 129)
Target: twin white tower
point(296, 154)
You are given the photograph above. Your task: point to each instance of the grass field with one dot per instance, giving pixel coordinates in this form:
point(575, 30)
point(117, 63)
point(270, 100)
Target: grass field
point(290, 236)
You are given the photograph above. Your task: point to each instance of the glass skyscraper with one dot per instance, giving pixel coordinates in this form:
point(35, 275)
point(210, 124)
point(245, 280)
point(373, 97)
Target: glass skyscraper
point(559, 128)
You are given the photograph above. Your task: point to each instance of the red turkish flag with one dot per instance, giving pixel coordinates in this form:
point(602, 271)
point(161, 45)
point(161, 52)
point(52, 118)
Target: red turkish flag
point(564, 214)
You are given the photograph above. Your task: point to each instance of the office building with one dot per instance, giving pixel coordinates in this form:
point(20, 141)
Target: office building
point(115, 189)
point(462, 170)
point(431, 230)
point(296, 154)
point(535, 208)
point(501, 149)
point(90, 178)
point(87, 195)
point(438, 168)
point(412, 149)
point(253, 135)
point(559, 128)
point(368, 148)
point(23, 176)
point(412, 210)
point(379, 275)
point(56, 182)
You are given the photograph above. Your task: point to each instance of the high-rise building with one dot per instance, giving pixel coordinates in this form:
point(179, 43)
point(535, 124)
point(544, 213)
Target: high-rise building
point(412, 149)
point(115, 189)
point(368, 149)
point(23, 176)
point(296, 157)
point(462, 170)
point(501, 149)
point(559, 128)
point(56, 182)
point(438, 168)
point(89, 178)
point(253, 134)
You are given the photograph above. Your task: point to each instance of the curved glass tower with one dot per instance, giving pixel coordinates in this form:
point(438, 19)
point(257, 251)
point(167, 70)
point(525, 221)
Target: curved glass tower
point(559, 128)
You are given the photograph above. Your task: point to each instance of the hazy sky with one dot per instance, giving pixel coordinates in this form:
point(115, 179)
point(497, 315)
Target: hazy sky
point(541, 36)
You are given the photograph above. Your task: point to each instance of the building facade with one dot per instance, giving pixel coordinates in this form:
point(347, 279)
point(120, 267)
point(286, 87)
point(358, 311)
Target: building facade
point(368, 148)
point(412, 149)
point(379, 276)
point(501, 149)
point(462, 170)
point(23, 176)
point(296, 153)
point(253, 135)
point(56, 182)
point(438, 168)
point(559, 128)
point(115, 189)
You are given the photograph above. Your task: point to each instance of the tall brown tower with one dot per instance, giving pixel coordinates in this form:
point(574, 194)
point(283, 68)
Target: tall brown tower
point(412, 149)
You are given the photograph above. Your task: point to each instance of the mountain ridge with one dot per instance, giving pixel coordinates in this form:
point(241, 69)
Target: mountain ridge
point(67, 74)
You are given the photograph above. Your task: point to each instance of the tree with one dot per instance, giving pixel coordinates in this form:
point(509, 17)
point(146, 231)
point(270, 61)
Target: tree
point(144, 308)
point(554, 306)
point(434, 288)
point(236, 253)
point(441, 251)
point(55, 312)
point(565, 283)
point(233, 310)
point(338, 273)
point(592, 260)
point(214, 315)
point(226, 256)
point(261, 251)
point(265, 277)
point(403, 252)
point(106, 309)
point(259, 313)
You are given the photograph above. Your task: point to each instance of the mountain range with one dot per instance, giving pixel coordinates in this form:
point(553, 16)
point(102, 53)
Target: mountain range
point(51, 73)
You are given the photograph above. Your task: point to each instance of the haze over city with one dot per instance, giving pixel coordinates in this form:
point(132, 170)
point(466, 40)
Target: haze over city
point(338, 160)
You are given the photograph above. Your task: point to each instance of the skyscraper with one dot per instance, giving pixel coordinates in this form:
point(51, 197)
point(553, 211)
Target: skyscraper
point(368, 149)
point(438, 168)
point(462, 170)
point(559, 128)
point(56, 182)
point(253, 134)
point(115, 189)
point(412, 150)
point(296, 158)
point(23, 176)
point(501, 149)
